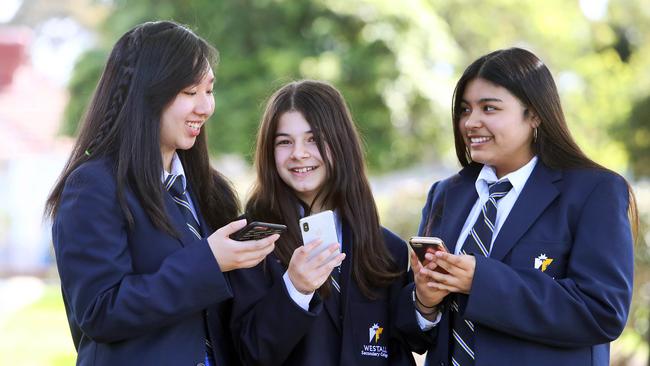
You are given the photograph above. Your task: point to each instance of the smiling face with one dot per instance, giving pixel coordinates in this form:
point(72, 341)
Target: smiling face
point(297, 158)
point(181, 121)
point(495, 127)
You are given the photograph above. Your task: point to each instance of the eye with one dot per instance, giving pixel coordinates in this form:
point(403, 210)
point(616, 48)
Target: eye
point(281, 142)
point(311, 139)
point(209, 91)
point(464, 110)
point(189, 92)
point(489, 108)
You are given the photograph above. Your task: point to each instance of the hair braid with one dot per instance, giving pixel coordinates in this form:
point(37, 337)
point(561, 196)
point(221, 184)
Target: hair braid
point(119, 93)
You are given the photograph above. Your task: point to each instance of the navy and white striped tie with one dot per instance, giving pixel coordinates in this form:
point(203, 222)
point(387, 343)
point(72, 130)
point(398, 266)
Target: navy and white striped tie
point(478, 242)
point(174, 184)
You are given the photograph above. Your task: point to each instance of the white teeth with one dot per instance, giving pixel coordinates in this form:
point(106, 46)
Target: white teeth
point(194, 125)
point(303, 170)
point(478, 140)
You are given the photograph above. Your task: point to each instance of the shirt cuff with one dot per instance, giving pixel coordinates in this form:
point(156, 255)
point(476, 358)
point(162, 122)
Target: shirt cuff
point(300, 299)
point(427, 324)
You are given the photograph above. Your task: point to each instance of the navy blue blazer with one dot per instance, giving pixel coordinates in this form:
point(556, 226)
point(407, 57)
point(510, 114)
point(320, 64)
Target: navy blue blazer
point(269, 328)
point(135, 297)
point(566, 314)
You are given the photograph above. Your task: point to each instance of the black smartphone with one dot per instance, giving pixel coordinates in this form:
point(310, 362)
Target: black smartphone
point(422, 245)
point(257, 230)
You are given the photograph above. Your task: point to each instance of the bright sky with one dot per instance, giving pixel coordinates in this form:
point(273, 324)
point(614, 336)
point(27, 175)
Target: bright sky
point(594, 9)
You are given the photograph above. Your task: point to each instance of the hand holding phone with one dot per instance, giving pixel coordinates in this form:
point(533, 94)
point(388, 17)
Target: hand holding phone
point(258, 230)
point(231, 254)
point(422, 245)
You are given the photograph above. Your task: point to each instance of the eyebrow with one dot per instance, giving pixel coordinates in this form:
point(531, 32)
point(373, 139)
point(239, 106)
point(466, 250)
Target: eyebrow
point(485, 100)
point(279, 134)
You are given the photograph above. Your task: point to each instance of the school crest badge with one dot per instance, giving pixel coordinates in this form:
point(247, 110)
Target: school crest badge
point(542, 262)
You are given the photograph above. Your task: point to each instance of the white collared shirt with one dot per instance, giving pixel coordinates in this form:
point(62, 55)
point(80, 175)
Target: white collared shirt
point(518, 179)
point(177, 169)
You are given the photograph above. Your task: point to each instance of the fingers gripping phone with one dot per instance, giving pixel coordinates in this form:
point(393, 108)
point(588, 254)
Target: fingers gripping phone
point(319, 226)
point(424, 244)
point(257, 230)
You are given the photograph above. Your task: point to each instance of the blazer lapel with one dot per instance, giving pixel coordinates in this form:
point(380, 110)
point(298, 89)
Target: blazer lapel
point(458, 202)
point(537, 194)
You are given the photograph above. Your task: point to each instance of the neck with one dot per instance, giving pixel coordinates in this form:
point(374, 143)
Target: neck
point(315, 207)
point(167, 160)
point(501, 171)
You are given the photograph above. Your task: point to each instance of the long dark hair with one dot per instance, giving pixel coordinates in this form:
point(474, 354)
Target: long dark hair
point(147, 68)
point(526, 77)
point(347, 188)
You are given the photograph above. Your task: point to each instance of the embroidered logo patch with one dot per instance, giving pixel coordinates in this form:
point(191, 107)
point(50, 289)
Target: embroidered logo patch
point(374, 350)
point(542, 262)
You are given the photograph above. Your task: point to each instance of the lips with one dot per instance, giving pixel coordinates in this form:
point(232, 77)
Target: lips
point(194, 127)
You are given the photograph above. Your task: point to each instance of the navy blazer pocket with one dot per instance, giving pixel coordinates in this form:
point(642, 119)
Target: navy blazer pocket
point(549, 257)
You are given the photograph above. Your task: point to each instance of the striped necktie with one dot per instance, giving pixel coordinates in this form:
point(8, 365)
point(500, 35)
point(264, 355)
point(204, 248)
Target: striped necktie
point(478, 242)
point(174, 185)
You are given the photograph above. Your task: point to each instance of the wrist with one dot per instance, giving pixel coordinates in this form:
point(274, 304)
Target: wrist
point(428, 312)
point(296, 285)
point(420, 303)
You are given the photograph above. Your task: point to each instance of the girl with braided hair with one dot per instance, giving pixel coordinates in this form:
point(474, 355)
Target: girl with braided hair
point(134, 211)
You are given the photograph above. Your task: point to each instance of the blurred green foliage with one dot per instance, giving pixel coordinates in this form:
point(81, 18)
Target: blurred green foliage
point(397, 65)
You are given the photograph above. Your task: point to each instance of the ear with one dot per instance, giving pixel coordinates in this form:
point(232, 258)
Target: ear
point(535, 121)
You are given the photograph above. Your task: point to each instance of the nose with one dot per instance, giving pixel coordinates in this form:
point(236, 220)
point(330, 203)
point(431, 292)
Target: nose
point(472, 120)
point(204, 107)
point(299, 151)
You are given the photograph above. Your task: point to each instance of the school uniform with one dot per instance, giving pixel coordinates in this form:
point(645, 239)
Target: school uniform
point(135, 296)
point(557, 284)
point(270, 328)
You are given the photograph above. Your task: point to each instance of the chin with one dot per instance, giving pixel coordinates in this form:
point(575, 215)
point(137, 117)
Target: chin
point(186, 146)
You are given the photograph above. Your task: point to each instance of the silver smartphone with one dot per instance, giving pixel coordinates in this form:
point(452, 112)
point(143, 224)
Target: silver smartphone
point(319, 226)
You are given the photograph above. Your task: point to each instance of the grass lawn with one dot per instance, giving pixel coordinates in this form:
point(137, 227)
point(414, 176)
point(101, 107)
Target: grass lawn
point(37, 334)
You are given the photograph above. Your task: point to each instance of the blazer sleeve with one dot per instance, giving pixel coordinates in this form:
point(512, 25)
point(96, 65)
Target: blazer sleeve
point(407, 328)
point(108, 300)
point(590, 305)
point(262, 307)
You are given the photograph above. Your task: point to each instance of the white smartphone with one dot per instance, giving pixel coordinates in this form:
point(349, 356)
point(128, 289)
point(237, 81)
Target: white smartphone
point(319, 226)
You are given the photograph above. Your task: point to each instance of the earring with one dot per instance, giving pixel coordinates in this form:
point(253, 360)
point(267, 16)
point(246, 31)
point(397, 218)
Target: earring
point(534, 134)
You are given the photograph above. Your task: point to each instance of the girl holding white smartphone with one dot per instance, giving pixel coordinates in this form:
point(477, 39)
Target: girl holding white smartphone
point(341, 309)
